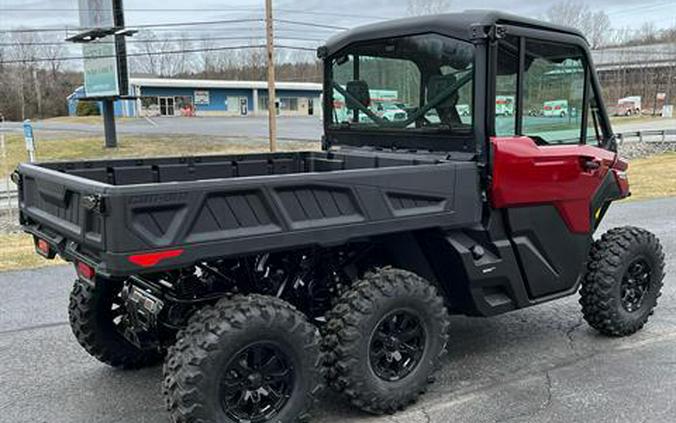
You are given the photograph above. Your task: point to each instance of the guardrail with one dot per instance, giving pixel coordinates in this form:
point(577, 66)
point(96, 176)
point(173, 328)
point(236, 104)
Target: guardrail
point(651, 135)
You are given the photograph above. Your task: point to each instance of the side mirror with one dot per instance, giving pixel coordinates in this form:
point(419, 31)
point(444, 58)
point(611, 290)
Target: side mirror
point(359, 91)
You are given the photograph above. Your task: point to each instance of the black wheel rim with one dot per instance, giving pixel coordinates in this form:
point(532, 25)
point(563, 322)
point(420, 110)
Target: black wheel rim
point(257, 383)
point(635, 284)
point(397, 345)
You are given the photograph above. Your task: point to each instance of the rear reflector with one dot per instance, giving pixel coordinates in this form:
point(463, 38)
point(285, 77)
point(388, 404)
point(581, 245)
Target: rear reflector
point(85, 271)
point(44, 249)
point(152, 259)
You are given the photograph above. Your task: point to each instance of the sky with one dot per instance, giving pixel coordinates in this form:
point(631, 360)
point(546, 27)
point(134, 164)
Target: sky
point(41, 13)
point(344, 13)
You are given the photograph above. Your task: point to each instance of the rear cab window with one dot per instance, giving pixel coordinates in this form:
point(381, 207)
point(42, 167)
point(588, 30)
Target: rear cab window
point(421, 83)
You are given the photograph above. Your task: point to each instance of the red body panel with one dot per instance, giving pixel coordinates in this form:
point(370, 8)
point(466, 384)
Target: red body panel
point(525, 174)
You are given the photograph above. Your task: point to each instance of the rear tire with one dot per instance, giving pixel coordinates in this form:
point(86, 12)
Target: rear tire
point(374, 352)
point(623, 281)
point(242, 356)
point(91, 317)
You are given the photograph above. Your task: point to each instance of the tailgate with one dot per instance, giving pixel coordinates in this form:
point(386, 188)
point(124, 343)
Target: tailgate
point(60, 206)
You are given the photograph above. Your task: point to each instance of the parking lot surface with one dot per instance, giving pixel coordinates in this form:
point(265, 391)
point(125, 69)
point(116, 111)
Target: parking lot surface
point(542, 364)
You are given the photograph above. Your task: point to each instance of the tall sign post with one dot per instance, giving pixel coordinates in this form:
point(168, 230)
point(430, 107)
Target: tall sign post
point(272, 97)
point(105, 58)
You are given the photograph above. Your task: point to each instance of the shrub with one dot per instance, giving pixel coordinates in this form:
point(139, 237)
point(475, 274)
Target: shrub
point(87, 108)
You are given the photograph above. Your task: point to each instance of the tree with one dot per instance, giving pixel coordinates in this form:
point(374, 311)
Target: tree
point(573, 13)
point(428, 7)
point(648, 32)
point(599, 30)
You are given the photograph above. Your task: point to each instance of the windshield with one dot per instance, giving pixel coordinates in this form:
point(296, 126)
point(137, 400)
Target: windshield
point(416, 83)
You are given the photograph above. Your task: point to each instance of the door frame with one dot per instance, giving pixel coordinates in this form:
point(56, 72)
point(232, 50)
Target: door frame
point(591, 81)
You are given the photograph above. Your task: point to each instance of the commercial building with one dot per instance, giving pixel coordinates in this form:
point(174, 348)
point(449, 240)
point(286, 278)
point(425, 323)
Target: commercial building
point(196, 97)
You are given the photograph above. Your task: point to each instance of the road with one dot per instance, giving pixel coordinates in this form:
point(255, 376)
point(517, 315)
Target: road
point(293, 128)
point(537, 365)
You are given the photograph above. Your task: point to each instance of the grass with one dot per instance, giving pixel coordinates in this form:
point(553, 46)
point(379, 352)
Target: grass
point(625, 120)
point(79, 148)
point(88, 120)
point(17, 252)
point(653, 177)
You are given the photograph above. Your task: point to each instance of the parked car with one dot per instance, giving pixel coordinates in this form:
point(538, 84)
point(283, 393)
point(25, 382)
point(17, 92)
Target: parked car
point(628, 106)
point(555, 108)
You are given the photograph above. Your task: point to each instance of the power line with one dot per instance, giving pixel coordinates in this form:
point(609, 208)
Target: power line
point(207, 9)
point(127, 9)
point(641, 8)
point(157, 53)
point(167, 40)
point(311, 24)
point(161, 25)
point(180, 24)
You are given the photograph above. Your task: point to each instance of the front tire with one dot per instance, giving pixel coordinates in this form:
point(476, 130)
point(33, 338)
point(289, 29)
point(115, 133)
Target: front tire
point(93, 312)
point(384, 339)
point(249, 358)
point(623, 281)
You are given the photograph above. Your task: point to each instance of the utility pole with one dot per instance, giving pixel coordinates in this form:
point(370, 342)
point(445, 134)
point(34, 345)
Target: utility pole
point(272, 97)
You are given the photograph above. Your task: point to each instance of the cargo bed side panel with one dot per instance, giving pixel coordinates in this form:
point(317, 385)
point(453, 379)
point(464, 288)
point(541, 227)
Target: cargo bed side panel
point(216, 218)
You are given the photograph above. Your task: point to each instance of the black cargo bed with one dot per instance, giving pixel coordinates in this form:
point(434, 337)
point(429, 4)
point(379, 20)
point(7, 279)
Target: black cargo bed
point(103, 212)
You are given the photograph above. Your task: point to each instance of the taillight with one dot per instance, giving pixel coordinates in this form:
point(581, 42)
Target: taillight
point(43, 248)
point(85, 271)
point(152, 259)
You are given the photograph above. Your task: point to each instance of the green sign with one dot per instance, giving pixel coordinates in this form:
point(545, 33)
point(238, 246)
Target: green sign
point(100, 68)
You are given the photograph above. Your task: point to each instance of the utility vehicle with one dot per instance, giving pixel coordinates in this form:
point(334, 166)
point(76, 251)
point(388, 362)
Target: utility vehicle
point(259, 277)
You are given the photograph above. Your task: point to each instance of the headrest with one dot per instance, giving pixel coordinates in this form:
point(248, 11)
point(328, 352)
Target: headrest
point(360, 91)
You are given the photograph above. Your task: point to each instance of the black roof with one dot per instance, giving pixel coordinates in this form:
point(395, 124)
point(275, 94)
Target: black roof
point(457, 25)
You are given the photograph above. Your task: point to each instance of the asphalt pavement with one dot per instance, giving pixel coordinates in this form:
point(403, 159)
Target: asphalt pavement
point(301, 128)
point(541, 364)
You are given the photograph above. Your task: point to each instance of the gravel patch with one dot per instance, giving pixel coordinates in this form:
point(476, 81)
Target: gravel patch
point(639, 150)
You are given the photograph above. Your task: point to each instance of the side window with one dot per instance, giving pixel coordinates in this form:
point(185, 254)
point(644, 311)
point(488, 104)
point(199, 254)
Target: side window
point(506, 86)
point(554, 81)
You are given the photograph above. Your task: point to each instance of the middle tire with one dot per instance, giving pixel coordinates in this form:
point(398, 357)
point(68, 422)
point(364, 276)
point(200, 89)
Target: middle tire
point(384, 339)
